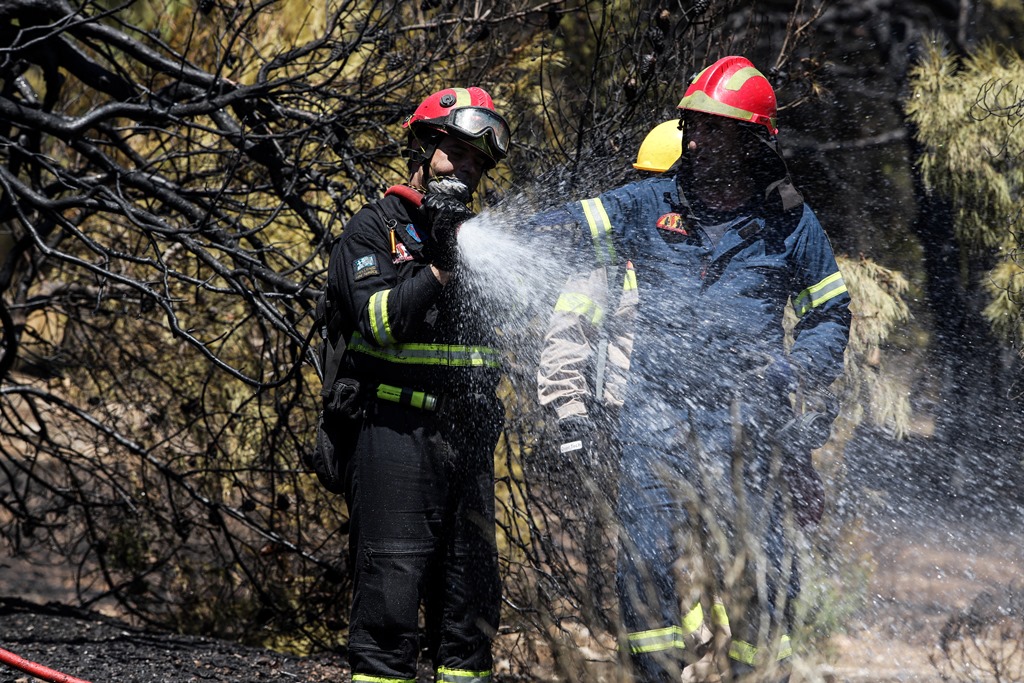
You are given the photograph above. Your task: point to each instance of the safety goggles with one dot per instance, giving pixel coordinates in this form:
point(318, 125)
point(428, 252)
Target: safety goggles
point(475, 123)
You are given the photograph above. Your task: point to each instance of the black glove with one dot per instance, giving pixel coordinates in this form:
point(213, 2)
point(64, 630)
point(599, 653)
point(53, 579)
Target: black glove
point(811, 429)
point(445, 214)
point(796, 439)
point(578, 435)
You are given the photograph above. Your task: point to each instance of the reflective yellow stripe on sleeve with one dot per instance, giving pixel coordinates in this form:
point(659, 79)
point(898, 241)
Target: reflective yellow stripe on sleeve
point(629, 282)
point(379, 323)
point(581, 305)
point(669, 637)
point(600, 230)
point(819, 293)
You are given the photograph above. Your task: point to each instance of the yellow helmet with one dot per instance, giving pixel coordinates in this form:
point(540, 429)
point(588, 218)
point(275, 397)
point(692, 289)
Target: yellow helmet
point(661, 148)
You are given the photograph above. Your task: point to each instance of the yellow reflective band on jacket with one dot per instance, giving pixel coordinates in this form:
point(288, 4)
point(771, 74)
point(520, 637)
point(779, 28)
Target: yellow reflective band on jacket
point(363, 678)
point(629, 282)
point(407, 397)
point(600, 230)
point(657, 640)
point(816, 295)
point(745, 652)
point(581, 305)
point(446, 675)
point(379, 324)
point(450, 355)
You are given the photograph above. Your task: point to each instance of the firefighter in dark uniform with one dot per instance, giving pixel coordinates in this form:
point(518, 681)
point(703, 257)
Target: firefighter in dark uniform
point(718, 416)
point(420, 369)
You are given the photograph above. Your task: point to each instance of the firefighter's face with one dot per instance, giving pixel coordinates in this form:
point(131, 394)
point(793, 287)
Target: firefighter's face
point(721, 157)
point(457, 158)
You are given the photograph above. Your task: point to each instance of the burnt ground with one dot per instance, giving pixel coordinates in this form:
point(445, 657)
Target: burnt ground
point(97, 648)
point(927, 555)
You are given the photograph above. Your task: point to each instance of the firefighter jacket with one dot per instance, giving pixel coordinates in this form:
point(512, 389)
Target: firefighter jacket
point(585, 360)
point(698, 320)
point(408, 338)
point(707, 313)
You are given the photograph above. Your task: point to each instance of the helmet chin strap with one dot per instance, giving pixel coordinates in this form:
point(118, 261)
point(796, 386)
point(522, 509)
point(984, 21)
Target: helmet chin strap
point(423, 157)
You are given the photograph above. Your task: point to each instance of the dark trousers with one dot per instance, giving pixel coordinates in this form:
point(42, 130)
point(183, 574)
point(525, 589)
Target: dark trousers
point(683, 528)
point(420, 491)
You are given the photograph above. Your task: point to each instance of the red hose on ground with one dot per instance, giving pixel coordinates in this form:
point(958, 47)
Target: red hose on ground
point(37, 670)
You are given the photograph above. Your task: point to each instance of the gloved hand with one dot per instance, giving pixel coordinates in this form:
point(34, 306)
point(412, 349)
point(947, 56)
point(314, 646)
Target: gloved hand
point(813, 426)
point(780, 378)
point(805, 487)
point(796, 439)
point(578, 437)
point(445, 213)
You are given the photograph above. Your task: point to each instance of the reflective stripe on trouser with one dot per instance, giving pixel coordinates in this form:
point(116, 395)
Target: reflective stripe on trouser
point(363, 678)
point(669, 637)
point(742, 651)
point(417, 502)
point(449, 675)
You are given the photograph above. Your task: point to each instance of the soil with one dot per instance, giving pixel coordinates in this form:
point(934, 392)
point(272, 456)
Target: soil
point(927, 558)
point(96, 648)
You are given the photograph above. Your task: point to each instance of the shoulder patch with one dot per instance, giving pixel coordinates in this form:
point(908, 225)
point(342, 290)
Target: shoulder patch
point(411, 229)
point(365, 266)
point(672, 222)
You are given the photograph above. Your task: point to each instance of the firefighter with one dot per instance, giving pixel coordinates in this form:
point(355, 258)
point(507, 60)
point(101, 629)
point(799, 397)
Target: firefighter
point(594, 294)
point(417, 417)
point(661, 148)
point(718, 417)
point(585, 358)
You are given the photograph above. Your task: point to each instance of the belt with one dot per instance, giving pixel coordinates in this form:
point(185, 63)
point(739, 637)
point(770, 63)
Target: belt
point(408, 397)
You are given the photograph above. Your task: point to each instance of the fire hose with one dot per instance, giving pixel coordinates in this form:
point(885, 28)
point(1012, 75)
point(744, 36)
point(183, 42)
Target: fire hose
point(37, 670)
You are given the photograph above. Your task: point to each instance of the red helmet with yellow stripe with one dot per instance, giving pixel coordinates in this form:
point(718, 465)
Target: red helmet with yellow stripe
point(465, 113)
point(733, 87)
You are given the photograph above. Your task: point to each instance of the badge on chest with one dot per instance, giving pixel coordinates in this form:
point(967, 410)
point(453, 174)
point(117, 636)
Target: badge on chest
point(673, 223)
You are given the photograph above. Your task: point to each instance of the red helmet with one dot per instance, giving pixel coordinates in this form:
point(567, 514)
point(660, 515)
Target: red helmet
point(734, 88)
point(465, 113)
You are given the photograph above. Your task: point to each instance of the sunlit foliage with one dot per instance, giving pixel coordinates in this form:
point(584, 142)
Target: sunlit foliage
point(968, 114)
